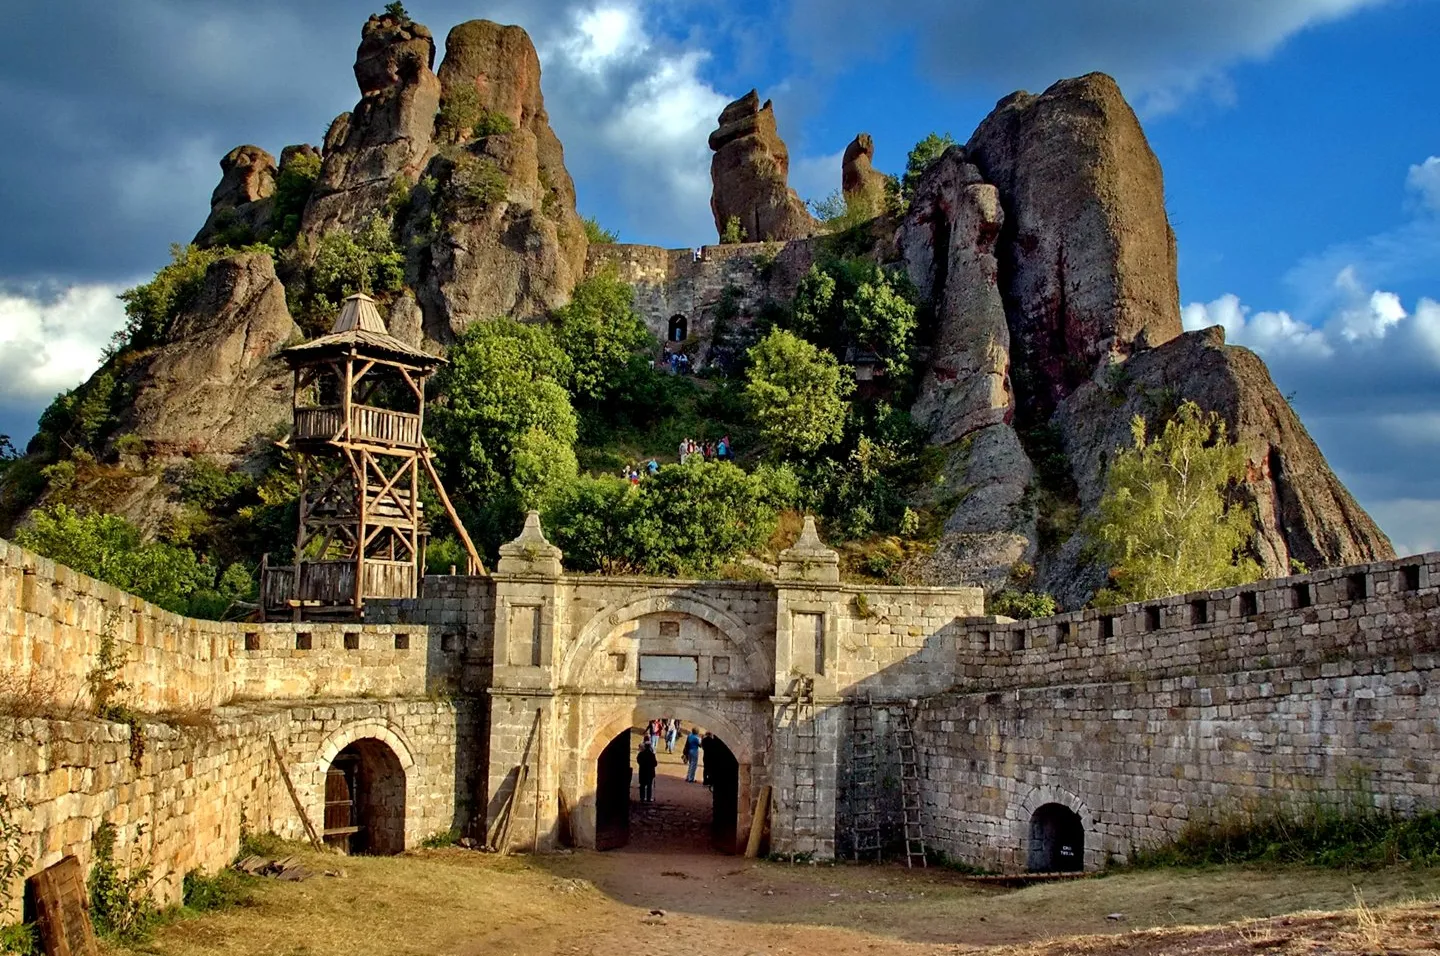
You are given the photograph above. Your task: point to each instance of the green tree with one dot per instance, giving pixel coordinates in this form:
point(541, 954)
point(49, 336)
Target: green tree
point(397, 10)
point(605, 339)
point(796, 394)
point(292, 191)
point(504, 425)
point(1165, 524)
point(598, 234)
point(733, 233)
point(921, 155)
point(593, 520)
point(696, 517)
point(150, 309)
point(8, 454)
point(107, 547)
point(366, 261)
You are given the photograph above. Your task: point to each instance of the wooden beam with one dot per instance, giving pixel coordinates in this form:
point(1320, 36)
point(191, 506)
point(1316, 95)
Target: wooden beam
point(294, 797)
point(476, 566)
point(360, 550)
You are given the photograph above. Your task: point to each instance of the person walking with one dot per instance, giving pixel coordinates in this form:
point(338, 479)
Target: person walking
point(672, 730)
point(646, 761)
point(691, 753)
point(722, 449)
point(706, 744)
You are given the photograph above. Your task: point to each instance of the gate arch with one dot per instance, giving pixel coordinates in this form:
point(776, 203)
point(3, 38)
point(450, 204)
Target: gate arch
point(346, 738)
point(1023, 817)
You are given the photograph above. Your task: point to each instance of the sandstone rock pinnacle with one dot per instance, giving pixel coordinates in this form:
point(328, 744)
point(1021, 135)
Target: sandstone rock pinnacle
point(749, 175)
point(247, 181)
point(862, 184)
point(1087, 254)
point(387, 136)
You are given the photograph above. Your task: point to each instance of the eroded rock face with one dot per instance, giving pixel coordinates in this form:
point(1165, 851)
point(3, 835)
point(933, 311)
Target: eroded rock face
point(387, 136)
point(1304, 512)
point(862, 184)
point(749, 175)
point(1087, 256)
point(214, 385)
point(516, 246)
point(241, 200)
point(947, 240)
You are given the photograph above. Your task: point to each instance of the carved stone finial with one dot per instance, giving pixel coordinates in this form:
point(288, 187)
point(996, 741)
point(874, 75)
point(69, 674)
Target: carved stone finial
point(531, 552)
point(808, 559)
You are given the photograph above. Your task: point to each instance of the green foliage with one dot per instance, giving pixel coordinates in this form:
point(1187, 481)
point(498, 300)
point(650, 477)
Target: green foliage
point(479, 182)
point(346, 263)
point(109, 548)
point(463, 118)
point(20, 939)
point(227, 888)
point(1165, 525)
point(505, 427)
point(203, 483)
point(441, 839)
point(689, 519)
point(81, 417)
point(607, 343)
point(15, 860)
point(1022, 605)
point(120, 902)
point(921, 155)
point(1343, 834)
point(854, 302)
point(828, 208)
point(293, 187)
point(598, 234)
point(861, 486)
point(733, 233)
point(840, 213)
point(444, 554)
point(260, 844)
point(150, 309)
point(103, 678)
point(796, 394)
point(396, 10)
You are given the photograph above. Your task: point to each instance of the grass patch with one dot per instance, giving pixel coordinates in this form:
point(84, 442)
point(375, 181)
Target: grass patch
point(227, 888)
point(1332, 836)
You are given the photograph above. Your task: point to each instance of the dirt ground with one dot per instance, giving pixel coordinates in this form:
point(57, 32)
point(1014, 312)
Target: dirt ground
point(666, 895)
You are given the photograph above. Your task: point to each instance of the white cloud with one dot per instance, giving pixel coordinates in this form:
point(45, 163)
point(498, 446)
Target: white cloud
point(1362, 315)
point(1265, 332)
point(51, 340)
point(1424, 181)
point(1162, 51)
point(1413, 524)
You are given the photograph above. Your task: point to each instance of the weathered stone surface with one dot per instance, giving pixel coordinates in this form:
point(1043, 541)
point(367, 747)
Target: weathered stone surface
point(1304, 512)
point(214, 385)
point(387, 136)
point(241, 200)
point(862, 184)
point(1087, 256)
point(750, 172)
point(519, 255)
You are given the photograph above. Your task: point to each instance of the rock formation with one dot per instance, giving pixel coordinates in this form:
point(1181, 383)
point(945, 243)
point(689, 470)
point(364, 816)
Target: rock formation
point(242, 200)
point(512, 243)
point(389, 133)
point(1304, 513)
point(862, 184)
point(750, 175)
point(1087, 256)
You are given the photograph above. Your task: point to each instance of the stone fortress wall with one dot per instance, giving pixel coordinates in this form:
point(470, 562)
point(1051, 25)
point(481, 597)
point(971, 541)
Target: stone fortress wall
point(1132, 718)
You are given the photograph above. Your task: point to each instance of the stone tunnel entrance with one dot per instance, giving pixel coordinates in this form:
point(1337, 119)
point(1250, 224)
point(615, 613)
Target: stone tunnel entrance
point(365, 799)
point(680, 816)
point(1057, 840)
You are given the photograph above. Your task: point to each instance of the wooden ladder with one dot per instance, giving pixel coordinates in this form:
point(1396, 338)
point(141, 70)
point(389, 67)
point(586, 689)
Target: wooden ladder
point(865, 805)
point(910, 791)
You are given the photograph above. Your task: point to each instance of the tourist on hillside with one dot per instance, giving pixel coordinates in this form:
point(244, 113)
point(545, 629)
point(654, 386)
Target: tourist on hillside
point(646, 761)
point(691, 753)
point(652, 467)
point(709, 451)
point(722, 449)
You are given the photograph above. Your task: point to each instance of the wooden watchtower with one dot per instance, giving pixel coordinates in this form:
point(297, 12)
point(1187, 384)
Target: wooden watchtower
point(359, 441)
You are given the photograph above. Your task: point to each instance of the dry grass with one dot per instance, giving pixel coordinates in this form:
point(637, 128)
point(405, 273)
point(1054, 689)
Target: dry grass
point(455, 901)
point(29, 693)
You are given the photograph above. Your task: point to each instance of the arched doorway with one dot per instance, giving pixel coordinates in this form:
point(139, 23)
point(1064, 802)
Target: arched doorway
point(679, 329)
point(682, 816)
point(365, 799)
point(1057, 840)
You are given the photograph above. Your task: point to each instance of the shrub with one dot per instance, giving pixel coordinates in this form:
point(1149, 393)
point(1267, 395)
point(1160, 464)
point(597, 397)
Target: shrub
point(293, 187)
point(921, 156)
point(366, 261)
point(206, 893)
point(443, 838)
point(854, 302)
point(796, 394)
point(1022, 605)
point(479, 182)
point(696, 517)
point(598, 234)
point(606, 341)
point(150, 309)
point(462, 117)
point(733, 233)
point(120, 903)
point(593, 521)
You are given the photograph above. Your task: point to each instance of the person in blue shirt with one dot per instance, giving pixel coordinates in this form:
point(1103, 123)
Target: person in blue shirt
point(691, 753)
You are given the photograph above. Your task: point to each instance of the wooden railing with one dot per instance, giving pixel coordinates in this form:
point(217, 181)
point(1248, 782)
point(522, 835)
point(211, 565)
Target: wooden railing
point(333, 582)
point(389, 579)
point(367, 423)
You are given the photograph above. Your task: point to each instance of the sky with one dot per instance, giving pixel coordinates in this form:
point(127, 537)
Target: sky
point(1300, 141)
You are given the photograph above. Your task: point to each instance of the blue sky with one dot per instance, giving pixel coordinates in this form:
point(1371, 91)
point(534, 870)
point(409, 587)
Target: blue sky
point(1300, 141)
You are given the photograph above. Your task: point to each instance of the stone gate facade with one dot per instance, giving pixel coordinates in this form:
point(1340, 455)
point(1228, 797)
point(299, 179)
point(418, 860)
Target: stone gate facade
point(1109, 728)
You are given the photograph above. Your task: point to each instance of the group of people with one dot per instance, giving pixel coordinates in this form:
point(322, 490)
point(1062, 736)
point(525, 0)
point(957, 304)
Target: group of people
point(721, 450)
point(669, 731)
point(678, 362)
point(633, 473)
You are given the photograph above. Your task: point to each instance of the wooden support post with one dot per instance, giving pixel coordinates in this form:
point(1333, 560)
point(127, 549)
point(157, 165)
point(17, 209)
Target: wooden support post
point(476, 566)
point(757, 822)
point(295, 797)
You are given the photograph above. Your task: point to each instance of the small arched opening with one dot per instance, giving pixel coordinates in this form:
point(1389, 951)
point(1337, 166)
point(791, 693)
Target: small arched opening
point(1057, 840)
point(679, 329)
point(674, 814)
point(365, 799)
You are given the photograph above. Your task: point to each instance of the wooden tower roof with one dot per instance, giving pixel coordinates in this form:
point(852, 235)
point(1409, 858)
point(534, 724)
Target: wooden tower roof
point(358, 329)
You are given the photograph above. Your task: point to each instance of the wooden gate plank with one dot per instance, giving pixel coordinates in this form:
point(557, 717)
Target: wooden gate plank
point(62, 910)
